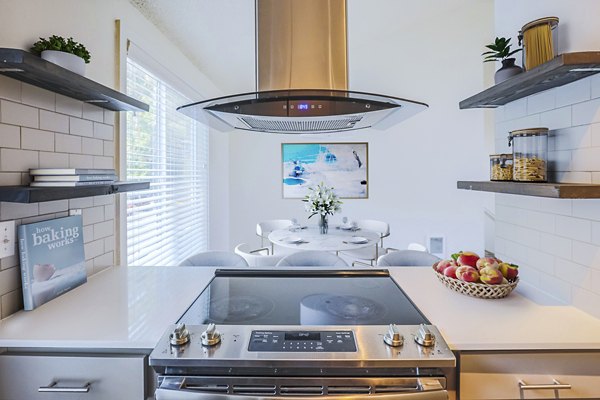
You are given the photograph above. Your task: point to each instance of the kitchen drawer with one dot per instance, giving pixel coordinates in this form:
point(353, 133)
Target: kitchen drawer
point(497, 375)
point(109, 377)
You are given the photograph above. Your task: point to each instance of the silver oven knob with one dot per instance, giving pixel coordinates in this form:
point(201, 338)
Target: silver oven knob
point(211, 336)
point(393, 337)
point(424, 337)
point(179, 336)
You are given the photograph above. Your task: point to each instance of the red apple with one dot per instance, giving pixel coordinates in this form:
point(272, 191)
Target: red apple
point(509, 271)
point(490, 276)
point(487, 262)
point(467, 258)
point(450, 271)
point(443, 264)
point(467, 273)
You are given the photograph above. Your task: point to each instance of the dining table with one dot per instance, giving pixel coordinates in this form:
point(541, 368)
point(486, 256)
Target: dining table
point(336, 239)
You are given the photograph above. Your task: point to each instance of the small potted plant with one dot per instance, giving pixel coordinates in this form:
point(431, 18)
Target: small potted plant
point(65, 52)
point(500, 51)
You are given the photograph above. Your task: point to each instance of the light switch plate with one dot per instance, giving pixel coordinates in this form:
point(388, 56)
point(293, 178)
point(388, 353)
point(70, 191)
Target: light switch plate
point(7, 239)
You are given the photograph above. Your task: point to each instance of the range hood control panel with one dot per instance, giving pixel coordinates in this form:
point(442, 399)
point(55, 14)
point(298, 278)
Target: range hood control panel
point(302, 341)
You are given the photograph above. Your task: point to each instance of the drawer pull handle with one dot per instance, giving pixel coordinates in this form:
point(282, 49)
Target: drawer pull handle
point(555, 385)
point(53, 388)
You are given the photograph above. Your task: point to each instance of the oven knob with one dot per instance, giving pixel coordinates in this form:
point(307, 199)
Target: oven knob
point(424, 337)
point(211, 336)
point(180, 335)
point(393, 337)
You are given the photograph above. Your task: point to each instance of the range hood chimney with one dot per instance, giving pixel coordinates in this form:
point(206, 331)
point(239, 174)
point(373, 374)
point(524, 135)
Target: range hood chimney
point(302, 77)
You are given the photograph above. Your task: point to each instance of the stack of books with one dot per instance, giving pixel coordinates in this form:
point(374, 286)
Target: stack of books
point(68, 177)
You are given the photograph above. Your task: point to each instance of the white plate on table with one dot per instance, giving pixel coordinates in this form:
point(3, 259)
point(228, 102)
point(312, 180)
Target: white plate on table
point(292, 239)
point(357, 240)
point(349, 228)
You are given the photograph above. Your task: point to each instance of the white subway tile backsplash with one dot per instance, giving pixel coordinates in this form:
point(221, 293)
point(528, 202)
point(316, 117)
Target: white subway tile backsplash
point(53, 160)
point(104, 261)
point(103, 162)
point(93, 249)
point(586, 113)
point(103, 200)
point(109, 117)
point(573, 273)
point(541, 102)
point(556, 206)
point(587, 208)
point(93, 113)
point(10, 136)
point(574, 228)
point(109, 148)
point(544, 222)
point(80, 161)
point(530, 121)
point(81, 127)
point(93, 215)
point(69, 106)
point(573, 138)
point(51, 121)
point(515, 109)
point(540, 260)
point(556, 245)
point(586, 254)
point(517, 251)
point(555, 287)
point(19, 114)
point(9, 262)
point(35, 139)
point(596, 281)
point(586, 301)
point(559, 160)
point(92, 146)
point(595, 81)
point(586, 159)
point(68, 143)
point(104, 131)
point(11, 88)
point(18, 160)
point(10, 279)
point(88, 233)
point(82, 202)
point(49, 207)
point(38, 97)
point(109, 243)
point(556, 119)
point(570, 177)
point(103, 229)
point(10, 178)
point(575, 92)
point(11, 302)
point(17, 210)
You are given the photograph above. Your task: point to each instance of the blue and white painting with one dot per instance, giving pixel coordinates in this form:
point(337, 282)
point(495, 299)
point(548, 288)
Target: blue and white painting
point(342, 166)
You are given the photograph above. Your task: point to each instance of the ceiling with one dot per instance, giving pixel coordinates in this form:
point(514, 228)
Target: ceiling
point(217, 36)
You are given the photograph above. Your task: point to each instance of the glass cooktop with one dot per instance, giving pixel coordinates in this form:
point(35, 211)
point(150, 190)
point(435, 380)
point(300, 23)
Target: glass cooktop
point(303, 297)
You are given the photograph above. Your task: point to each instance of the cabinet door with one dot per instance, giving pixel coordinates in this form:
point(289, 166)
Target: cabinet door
point(497, 375)
point(53, 377)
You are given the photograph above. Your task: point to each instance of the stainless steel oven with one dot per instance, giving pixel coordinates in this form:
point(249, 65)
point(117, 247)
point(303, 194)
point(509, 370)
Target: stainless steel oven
point(302, 334)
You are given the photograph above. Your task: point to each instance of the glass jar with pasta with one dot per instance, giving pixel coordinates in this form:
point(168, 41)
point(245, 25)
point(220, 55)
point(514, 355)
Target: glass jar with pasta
point(501, 167)
point(540, 41)
point(530, 154)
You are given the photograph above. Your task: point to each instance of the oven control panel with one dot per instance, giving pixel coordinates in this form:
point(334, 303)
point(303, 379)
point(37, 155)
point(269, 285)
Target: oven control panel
point(303, 341)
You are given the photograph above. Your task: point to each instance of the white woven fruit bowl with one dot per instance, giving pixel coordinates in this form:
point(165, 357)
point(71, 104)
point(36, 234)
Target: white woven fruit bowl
point(481, 290)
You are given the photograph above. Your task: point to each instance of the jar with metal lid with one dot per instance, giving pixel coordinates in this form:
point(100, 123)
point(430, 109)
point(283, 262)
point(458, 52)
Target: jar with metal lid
point(530, 154)
point(501, 167)
point(540, 41)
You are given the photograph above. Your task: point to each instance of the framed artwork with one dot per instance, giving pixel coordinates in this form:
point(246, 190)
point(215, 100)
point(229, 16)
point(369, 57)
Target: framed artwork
point(342, 166)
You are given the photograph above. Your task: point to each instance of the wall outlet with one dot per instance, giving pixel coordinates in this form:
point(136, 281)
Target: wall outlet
point(7, 239)
point(75, 211)
point(436, 245)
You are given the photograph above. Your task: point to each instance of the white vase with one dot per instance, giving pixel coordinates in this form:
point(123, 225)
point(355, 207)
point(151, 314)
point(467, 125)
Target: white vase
point(66, 60)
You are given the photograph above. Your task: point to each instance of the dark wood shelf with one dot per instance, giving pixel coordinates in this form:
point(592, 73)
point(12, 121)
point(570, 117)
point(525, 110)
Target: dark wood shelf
point(27, 194)
point(553, 190)
point(563, 69)
point(29, 68)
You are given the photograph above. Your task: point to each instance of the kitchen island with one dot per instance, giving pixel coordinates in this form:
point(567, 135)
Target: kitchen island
point(123, 311)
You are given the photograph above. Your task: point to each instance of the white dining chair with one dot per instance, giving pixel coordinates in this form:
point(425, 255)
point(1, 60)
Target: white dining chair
point(214, 259)
point(368, 255)
point(405, 258)
point(257, 257)
point(265, 227)
point(310, 258)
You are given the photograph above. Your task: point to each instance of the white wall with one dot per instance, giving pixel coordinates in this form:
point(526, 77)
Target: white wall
point(419, 50)
point(556, 242)
point(39, 128)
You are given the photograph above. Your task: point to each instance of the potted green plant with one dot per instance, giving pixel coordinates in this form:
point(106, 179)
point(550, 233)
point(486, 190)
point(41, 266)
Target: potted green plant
point(500, 51)
point(67, 53)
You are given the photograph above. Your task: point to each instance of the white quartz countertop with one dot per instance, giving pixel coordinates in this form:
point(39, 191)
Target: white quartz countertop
point(131, 307)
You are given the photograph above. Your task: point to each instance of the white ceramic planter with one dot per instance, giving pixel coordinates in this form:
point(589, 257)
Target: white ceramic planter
point(66, 60)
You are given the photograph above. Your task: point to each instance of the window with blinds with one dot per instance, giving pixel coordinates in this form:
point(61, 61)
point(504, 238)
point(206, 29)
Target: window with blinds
point(168, 222)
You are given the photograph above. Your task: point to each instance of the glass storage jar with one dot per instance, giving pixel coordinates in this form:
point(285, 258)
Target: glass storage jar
point(540, 41)
point(501, 167)
point(530, 154)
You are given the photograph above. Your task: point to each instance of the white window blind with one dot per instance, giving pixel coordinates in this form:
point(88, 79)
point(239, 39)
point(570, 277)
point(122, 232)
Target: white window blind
point(168, 222)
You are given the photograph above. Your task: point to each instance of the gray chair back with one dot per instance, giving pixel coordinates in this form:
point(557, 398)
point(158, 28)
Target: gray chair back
point(214, 259)
point(311, 258)
point(405, 258)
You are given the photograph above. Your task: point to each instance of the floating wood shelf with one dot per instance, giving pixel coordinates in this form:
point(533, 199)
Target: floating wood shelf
point(553, 190)
point(563, 69)
point(26, 67)
point(27, 194)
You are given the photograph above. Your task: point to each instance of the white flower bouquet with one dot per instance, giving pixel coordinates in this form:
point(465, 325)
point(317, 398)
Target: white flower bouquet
point(323, 201)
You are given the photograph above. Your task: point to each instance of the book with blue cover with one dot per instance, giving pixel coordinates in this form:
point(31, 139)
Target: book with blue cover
point(52, 259)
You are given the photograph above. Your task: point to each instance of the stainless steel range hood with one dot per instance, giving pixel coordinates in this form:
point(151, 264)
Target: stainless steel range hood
point(302, 77)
